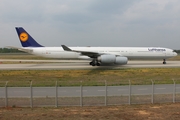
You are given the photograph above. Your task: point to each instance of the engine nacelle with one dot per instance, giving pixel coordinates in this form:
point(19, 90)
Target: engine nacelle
point(112, 59)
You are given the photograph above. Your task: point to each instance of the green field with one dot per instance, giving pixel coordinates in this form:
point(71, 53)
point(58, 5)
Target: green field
point(89, 77)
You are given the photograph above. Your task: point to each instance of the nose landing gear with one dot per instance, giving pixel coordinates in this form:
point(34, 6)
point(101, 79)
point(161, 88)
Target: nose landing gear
point(164, 61)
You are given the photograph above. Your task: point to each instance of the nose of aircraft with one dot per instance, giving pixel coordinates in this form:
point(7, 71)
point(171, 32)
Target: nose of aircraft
point(174, 53)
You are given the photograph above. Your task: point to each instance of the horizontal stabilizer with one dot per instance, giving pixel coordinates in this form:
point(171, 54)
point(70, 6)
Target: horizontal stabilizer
point(20, 49)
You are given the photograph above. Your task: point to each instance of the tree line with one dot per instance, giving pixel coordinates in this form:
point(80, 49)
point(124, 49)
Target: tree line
point(9, 50)
point(177, 51)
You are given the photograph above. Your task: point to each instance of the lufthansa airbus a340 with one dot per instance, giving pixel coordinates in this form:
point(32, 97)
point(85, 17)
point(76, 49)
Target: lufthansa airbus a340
point(96, 55)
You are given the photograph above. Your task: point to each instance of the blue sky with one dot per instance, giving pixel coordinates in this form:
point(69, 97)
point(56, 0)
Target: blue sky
point(123, 23)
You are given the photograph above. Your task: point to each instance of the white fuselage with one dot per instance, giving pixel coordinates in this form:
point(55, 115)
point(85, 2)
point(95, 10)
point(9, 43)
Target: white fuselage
point(132, 53)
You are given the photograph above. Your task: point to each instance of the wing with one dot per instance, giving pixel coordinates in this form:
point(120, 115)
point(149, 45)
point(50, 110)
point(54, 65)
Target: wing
point(87, 53)
point(28, 50)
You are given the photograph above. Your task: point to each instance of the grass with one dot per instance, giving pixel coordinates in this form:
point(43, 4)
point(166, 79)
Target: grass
point(85, 77)
point(175, 58)
point(138, 76)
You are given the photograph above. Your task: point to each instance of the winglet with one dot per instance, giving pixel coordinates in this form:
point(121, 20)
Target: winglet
point(66, 48)
point(20, 49)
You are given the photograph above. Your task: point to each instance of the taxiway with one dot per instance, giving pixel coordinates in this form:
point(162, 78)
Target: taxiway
point(79, 64)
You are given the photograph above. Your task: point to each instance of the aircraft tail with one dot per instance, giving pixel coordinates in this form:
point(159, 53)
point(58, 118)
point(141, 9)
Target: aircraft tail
point(25, 39)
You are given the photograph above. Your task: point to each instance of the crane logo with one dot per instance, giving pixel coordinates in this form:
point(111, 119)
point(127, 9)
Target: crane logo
point(23, 37)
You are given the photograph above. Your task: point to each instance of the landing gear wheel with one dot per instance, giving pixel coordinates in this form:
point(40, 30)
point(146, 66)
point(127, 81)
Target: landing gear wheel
point(90, 63)
point(164, 61)
point(95, 62)
point(98, 64)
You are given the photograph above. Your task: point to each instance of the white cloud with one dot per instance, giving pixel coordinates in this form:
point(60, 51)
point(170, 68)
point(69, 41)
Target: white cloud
point(152, 10)
point(92, 22)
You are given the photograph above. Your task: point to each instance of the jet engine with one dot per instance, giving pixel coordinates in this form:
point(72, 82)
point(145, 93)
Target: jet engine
point(112, 59)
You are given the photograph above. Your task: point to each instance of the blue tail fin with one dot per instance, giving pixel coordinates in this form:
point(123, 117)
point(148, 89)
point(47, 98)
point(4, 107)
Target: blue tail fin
point(26, 39)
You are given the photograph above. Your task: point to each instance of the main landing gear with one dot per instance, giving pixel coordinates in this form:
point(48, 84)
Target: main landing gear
point(95, 62)
point(164, 61)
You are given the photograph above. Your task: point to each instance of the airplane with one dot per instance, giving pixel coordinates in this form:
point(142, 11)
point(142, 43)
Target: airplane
point(97, 55)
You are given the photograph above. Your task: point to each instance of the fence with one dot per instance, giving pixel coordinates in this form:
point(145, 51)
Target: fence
point(84, 95)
